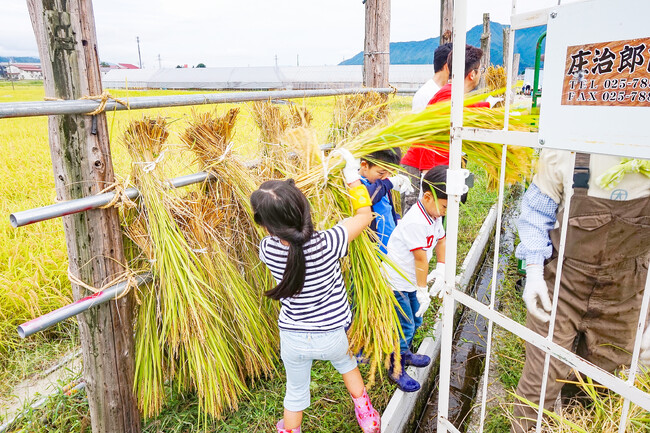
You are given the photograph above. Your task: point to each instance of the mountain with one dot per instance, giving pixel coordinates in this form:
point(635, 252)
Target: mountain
point(20, 59)
point(421, 52)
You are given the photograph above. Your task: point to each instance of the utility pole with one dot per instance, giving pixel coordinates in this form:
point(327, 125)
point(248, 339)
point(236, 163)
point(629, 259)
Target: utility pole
point(376, 53)
point(446, 21)
point(485, 46)
point(276, 60)
point(137, 38)
point(81, 159)
point(159, 62)
point(297, 59)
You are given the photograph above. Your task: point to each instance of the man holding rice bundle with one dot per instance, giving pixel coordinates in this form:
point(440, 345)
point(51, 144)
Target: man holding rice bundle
point(422, 157)
point(604, 270)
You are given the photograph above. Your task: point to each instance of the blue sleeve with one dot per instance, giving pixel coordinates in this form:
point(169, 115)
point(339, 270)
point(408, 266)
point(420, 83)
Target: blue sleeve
point(379, 189)
point(537, 219)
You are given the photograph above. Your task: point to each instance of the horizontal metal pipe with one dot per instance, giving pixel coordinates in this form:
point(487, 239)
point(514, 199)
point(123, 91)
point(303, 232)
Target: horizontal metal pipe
point(46, 108)
point(52, 318)
point(70, 207)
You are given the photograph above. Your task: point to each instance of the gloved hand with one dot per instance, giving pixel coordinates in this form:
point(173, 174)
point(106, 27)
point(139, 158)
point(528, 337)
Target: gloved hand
point(352, 166)
point(437, 277)
point(493, 100)
point(536, 292)
point(423, 298)
point(644, 355)
point(401, 184)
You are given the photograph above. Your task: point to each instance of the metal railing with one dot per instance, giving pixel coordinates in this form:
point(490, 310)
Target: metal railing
point(30, 216)
point(625, 387)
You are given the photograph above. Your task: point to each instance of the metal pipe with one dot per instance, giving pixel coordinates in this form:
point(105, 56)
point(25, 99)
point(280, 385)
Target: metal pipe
point(538, 61)
point(52, 318)
point(47, 108)
point(70, 207)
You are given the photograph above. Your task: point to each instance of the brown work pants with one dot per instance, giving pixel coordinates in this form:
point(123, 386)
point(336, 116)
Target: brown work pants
point(599, 304)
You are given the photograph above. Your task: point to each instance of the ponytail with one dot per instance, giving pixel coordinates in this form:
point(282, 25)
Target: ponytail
point(281, 208)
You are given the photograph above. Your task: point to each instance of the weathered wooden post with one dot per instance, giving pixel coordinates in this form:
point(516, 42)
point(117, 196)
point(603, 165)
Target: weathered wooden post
point(446, 20)
point(376, 58)
point(485, 46)
point(81, 157)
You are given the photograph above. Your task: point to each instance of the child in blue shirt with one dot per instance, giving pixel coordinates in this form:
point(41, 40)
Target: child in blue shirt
point(375, 170)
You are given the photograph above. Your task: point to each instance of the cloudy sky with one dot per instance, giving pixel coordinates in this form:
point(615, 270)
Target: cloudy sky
point(244, 32)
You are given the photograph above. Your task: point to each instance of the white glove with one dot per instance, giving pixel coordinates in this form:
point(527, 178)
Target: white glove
point(437, 277)
point(493, 100)
point(644, 355)
point(352, 166)
point(423, 298)
point(401, 184)
point(536, 292)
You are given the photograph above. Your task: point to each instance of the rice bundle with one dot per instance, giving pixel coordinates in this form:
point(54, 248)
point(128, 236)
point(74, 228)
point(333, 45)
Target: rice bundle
point(300, 117)
point(430, 128)
point(357, 113)
point(272, 122)
point(495, 78)
point(181, 334)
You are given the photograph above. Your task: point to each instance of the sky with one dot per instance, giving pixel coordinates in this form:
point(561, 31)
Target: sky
point(245, 32)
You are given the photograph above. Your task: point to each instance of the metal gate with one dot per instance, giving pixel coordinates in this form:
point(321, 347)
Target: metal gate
point(572, 118)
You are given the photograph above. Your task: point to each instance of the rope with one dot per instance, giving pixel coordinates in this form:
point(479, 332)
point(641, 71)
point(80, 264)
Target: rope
point(103, 99)
point(127, 276)
point(148, 166)
point(120, 198)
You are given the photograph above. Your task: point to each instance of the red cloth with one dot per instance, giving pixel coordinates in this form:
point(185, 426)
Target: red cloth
point(424, 157)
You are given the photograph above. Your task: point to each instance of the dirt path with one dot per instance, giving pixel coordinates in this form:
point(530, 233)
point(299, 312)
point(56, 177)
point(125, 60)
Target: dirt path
point(42, 384)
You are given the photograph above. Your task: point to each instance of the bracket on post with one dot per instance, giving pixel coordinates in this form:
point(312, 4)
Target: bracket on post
point(456, 181)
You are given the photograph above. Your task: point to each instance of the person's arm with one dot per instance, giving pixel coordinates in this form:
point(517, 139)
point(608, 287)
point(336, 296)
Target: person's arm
point(441, 250)
point(421, 267)
point(537, 219)
point(362, 216)
point(359, 196)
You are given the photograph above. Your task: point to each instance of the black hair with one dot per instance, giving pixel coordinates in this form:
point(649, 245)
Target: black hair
point(435, 181)
point(389, 156)
point(440, 56)
point(472, 59)
point(282, 209)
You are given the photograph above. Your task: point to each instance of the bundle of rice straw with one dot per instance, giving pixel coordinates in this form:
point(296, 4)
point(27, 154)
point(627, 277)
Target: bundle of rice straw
point(495, 78)
point(181, 335)
point(357, 113)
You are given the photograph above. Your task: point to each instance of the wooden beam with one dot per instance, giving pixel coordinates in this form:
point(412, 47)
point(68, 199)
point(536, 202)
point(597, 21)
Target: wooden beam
point(376, 58)
point(81, 157)
point(485, 46)
point(446, 21)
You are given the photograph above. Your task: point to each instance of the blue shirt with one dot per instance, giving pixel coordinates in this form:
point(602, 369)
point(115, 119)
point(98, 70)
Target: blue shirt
point(537, 219)
point(382, 205)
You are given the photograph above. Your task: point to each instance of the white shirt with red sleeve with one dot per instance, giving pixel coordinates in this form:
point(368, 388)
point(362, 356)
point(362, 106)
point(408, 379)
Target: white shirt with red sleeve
point(417, 230)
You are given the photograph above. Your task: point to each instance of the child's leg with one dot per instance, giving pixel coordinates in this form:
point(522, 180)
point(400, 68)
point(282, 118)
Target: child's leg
point(354, 382)
point(298, 371)
point(406, 318)
point(417, 321)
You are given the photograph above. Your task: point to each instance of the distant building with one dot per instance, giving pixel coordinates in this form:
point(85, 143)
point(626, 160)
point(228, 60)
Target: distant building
point(24, 71)
point(105, 67)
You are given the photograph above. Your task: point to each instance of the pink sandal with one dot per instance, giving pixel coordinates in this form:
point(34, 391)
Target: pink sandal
point(281, 429)
point(368, 418)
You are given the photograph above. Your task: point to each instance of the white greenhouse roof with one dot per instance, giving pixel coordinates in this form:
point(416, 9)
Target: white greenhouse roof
point(263, 77)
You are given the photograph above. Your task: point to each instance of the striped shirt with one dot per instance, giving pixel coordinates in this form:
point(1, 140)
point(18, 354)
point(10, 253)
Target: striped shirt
point(322, 305)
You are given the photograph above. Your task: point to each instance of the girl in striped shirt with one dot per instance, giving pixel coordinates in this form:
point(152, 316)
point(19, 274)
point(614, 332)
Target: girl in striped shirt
point(315, 310)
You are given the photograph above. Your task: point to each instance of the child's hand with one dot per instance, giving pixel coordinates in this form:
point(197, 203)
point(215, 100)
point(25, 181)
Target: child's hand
point(352, 166)
point(437, 276)
point(423, 298)
point(401, 184)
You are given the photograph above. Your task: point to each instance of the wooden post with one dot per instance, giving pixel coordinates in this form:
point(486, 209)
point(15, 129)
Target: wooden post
point(376, 58)
point(506, 41)
point(81, 157)
point(485, 46)
point(446, 20)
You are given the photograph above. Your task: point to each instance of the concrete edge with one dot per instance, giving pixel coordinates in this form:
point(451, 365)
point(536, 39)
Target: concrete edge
point(401, 407)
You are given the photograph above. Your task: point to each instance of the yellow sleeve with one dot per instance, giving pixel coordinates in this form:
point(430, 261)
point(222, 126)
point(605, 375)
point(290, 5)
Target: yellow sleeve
point(553, 167)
